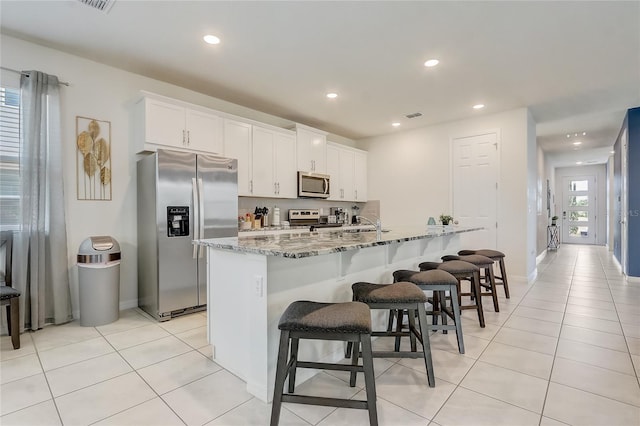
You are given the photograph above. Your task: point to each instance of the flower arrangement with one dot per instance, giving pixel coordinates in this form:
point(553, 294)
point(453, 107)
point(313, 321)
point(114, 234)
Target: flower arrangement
point(446, 219)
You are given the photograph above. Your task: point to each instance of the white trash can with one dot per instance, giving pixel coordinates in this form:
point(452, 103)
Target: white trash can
point(99, 280)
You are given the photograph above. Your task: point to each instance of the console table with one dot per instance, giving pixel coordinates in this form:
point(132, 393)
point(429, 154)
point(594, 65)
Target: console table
point(553, 237)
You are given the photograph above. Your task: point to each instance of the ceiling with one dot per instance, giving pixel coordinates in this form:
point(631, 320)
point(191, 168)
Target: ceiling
point(575, 64)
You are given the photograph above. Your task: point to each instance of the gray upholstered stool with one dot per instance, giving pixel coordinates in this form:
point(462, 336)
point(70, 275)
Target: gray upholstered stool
point(463, 271)
point(349, 322)
point(400, 296)
point(439, 282)
point(485, 264)
point(496, 256)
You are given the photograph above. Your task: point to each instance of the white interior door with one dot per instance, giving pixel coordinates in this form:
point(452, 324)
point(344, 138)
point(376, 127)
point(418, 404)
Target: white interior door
point(625, 203)
point(579, 209)
point(475, 174)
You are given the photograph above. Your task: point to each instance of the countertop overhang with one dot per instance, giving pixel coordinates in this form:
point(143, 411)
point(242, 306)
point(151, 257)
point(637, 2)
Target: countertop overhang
point(306, 244)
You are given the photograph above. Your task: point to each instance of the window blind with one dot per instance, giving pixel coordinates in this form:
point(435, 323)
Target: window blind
point(9, 158)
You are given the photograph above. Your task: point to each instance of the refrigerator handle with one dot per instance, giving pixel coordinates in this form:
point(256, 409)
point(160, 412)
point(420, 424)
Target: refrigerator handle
point(196, 218)
point(201, 215)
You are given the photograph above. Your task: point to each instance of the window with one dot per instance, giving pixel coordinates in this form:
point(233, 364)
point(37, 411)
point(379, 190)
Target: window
point(9, 158)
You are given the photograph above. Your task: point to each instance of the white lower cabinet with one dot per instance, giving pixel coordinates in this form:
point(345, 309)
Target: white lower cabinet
point(348, 170)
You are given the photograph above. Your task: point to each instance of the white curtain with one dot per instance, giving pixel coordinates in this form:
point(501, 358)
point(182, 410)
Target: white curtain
point(40, 256)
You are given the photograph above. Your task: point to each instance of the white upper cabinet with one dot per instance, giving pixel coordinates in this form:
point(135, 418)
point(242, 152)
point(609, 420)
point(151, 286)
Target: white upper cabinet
point(360, 176)
point(274, 163)
point(285, 165)
point(333, 170)
point(312, 149)
point(204, 131)
point(174, 124)
point(237, 144)
point(348, 170)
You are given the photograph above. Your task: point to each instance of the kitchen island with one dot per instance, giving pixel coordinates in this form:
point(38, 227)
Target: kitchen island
point(251, 281)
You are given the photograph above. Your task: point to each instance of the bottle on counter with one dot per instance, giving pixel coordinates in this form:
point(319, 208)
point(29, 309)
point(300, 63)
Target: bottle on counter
point(276, 216)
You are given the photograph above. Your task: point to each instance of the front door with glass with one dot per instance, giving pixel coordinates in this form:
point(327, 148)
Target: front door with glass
point(579, 209)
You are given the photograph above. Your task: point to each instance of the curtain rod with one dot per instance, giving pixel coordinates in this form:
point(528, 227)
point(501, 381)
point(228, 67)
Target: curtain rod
point(64, 83)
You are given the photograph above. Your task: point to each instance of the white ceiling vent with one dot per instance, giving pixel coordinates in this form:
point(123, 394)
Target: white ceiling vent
point(414, 115)
point(101, 5)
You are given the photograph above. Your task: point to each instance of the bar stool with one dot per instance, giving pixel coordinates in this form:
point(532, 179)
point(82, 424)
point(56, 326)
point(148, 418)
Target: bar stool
point(462, 271)
point(399, 296)
point(439, 282)
point(497, 256)
point(485, 264)
point(349, 322)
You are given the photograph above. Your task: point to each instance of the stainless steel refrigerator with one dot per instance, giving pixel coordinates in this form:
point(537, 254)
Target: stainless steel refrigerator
point(182, 197)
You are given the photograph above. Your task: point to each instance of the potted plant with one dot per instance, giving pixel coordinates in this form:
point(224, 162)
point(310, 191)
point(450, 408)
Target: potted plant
point(446, 219)
point(553, 220)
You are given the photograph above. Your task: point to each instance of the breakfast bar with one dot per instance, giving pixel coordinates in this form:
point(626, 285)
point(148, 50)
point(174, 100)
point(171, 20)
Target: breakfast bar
point(251, 281)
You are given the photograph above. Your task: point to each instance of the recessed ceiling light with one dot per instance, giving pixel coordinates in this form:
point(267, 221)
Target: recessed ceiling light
point(211, 39)
point(578, 162)
point(568, 135)
point(575, 134)
point(431, 63)
point(584, 133)
point(332, 95)
point(612, 152)
point(395, 124)
point(577, 143)
point(478, 106)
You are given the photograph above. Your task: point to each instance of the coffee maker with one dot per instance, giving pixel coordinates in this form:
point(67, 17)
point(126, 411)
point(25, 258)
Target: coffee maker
point(340, 215)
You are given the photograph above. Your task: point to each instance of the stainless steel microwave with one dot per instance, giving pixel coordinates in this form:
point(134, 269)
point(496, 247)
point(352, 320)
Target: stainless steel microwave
point(313, 185)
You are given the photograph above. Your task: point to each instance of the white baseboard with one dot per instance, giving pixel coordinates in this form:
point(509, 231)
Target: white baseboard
point(541, 257)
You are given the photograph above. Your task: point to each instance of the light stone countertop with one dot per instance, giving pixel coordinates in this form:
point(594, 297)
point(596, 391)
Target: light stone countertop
point(306, 244)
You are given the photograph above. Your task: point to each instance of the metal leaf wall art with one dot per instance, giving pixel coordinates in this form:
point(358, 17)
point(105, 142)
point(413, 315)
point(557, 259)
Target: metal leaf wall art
point(93, 159)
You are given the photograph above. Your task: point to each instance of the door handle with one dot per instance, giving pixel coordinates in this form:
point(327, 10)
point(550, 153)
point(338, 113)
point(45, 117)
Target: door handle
point(201, 214)
point(196, 221)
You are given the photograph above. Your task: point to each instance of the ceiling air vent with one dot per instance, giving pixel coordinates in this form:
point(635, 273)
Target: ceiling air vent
point(101, 5)
point(414, 115)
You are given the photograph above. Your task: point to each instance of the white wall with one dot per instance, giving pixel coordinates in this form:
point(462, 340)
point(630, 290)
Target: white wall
point(409, 172)
point(106, 93)
point(532, 197)
point(600, 172)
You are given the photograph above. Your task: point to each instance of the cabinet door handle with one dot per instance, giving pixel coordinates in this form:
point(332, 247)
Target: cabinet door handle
point(278, 188)
point(251, 186)
point(356, 194)
point(184, 139)
point(275, 188)
point(188, 137)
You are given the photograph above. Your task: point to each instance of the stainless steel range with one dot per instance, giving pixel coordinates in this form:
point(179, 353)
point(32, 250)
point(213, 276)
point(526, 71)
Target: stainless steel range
point(299, 217)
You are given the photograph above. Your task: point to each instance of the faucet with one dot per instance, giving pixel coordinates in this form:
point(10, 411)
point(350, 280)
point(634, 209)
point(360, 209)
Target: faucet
point(377, 224)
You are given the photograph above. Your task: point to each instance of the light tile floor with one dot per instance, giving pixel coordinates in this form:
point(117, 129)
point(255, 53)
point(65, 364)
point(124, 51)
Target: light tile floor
point(563, 350)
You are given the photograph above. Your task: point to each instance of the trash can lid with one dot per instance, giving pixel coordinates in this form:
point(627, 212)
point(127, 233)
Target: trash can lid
point(99, 244)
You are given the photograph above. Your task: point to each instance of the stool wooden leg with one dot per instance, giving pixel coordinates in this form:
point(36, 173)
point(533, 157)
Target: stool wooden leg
point(475, 282)
point(13, 322)
point(354, 361)
point(426, 346)
point(492, 285)
point(411, 314)
point(456, 317)
point(399, 319)
point(442, 306)
point(294, 361)
point(503, 278)
point(369, 379)
point(281, 376)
